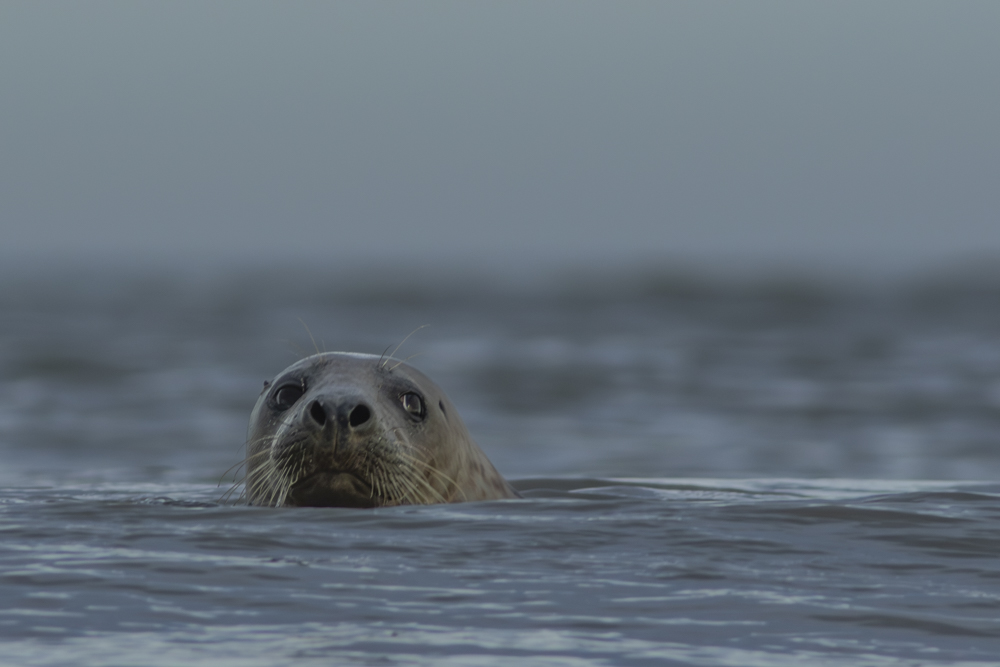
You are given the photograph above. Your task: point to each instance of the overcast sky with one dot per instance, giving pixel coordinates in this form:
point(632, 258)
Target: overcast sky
point(841, 134)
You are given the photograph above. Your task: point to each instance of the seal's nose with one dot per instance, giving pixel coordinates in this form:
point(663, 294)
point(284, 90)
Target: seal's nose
point(318, 413)
point(359, 415)
point(352, 414)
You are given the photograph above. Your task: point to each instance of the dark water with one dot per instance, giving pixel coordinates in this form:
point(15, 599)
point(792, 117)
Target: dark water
point(734, 475)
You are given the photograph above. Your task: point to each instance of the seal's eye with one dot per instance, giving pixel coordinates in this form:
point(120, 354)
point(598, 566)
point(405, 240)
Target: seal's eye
point(285, 397)
point(413, 404)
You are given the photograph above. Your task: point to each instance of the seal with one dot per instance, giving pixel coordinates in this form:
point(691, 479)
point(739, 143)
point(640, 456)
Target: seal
point(341, 429)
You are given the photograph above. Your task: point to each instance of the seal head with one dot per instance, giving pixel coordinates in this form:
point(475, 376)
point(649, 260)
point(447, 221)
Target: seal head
point(341, 429)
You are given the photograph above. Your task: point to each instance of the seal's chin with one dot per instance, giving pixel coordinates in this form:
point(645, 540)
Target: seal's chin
point(331, 488)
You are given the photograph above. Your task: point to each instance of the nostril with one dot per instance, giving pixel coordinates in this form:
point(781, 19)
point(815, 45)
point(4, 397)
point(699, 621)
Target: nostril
point(359, 415)
point(317, 412)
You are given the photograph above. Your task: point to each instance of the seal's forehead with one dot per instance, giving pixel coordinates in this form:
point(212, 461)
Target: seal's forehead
point(329, 361)
point(356, 364)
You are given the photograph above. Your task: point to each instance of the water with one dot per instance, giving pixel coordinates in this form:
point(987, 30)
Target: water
point(713, 475)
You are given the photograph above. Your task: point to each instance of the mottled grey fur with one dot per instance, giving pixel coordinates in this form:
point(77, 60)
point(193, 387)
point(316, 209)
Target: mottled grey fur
point(349, 440)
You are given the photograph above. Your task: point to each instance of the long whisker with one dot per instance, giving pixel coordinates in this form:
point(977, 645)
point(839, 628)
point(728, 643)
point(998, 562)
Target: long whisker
point(383, 363)
point(424, 467)
point(240, 464)
point(251, 483)
point(410, 474)
point(229, 492)
point(404, 361)
point(310, 335)
point(417, 472)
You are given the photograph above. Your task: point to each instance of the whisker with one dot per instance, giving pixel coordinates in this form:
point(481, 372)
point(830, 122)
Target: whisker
point(382, 364)
point(425, 467)
point(404, 361)
point(310, 334)
point(240, 464)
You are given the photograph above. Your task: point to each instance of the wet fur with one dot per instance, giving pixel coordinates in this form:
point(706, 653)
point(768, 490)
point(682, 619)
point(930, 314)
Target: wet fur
point(402, 461)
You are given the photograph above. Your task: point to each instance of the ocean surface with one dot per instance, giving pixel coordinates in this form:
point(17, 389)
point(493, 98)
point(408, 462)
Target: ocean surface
point(732, 473)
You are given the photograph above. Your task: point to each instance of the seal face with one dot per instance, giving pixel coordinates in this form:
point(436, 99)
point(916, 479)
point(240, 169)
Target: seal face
point(340, 429)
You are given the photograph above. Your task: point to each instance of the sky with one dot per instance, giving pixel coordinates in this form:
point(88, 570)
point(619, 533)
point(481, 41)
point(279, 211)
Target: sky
point(849, 136)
